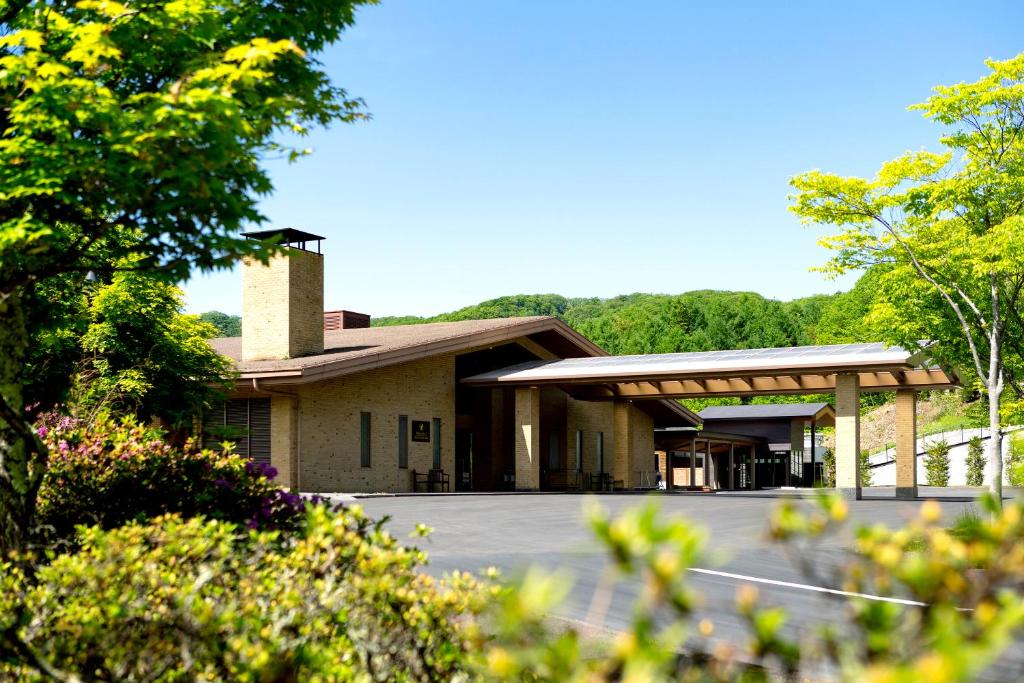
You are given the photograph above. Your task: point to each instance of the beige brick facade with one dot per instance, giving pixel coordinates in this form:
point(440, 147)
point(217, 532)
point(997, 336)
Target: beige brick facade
point(329, 455)
point(906, 443)
point(282, 306)
point(848, 435)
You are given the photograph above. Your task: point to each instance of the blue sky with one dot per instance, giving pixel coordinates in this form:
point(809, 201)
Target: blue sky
point(596, 148)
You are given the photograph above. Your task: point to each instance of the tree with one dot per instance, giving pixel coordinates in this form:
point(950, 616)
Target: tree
point(144, 356)
point(136, 132)
point(975, 462)
point(936, 464)
point(227, 325)
point(950, 229)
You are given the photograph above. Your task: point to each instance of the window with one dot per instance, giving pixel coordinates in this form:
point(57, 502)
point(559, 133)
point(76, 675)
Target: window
point(600, 452)
point(364, 439)
point(403, 441)
point(579, 450)
point(437, 443)
point(244, 422)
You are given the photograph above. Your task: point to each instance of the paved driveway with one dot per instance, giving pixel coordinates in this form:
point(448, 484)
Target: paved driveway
point(512, 532)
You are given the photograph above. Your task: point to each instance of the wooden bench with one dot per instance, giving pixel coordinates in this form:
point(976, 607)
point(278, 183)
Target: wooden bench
point(431, 479)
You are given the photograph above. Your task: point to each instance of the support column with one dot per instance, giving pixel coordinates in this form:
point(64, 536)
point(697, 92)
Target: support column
point(528, 439)
point(848, 436)
point(622, 469)
point(796, 449)
point(906, 443)
point(732, 466)
point(284, 440)
point(693, 463)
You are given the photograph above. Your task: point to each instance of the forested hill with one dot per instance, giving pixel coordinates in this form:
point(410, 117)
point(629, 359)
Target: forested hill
point(704, 320)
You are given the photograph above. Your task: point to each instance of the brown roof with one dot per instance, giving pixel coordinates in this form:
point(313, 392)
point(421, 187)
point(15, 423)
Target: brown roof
point(350, 351)
point(356, 350)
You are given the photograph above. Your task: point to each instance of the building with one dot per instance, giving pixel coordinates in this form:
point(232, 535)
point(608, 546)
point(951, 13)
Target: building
point(746, 446)
point(336, 405)
point(526, 403)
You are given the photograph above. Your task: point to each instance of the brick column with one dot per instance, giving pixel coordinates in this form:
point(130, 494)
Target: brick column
point(906, 443)
point(284, 444)
point(621, 461)
point(848, 435)
point(528, 439)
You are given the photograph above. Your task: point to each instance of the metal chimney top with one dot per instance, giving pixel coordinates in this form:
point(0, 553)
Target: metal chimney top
point(288, 236)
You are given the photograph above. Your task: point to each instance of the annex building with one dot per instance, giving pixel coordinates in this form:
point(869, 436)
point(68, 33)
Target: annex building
point(336, 405)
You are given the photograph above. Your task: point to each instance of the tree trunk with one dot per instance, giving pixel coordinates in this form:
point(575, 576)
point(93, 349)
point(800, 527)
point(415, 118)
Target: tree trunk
point(995, 444)
point(22, 455)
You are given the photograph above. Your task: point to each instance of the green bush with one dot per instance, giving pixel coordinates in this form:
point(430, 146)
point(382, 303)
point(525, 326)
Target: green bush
point(975, 462)
point(111, 472)
point(191, 600)
point(936, 464)
point(1015, 463)
point(828, 468)
point(865, 469)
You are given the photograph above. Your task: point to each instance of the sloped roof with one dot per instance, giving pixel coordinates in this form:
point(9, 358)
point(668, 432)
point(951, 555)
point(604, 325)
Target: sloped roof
point(356, 350)
point(765, 412)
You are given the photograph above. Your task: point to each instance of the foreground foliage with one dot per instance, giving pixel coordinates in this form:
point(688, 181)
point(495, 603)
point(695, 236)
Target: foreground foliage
point(114, 471)
point(183, 600)
point(341, 599)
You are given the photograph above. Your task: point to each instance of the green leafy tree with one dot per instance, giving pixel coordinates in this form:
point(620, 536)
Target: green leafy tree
point(136, 131)
point(144, 356)
point(936, 464)
point(950, 229)
point(227, 325)
point(975, 462)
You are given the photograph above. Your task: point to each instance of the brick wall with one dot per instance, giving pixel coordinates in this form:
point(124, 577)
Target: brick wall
point(282, 306)
point(330, 428)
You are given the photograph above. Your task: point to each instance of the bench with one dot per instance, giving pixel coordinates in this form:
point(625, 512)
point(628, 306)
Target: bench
point(431, 479)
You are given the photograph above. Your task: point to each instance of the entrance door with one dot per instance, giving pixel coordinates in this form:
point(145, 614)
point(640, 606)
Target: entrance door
point(463, 460)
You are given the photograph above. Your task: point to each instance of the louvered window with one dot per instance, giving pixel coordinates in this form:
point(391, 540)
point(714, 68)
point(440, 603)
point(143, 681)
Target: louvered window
point(244, 422)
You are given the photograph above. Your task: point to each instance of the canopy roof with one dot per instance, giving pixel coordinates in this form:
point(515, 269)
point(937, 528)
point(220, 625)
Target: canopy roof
point(748, 372)
point(768, 411)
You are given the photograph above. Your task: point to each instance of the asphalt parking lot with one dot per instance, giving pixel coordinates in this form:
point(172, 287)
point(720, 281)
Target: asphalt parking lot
point(512, 532)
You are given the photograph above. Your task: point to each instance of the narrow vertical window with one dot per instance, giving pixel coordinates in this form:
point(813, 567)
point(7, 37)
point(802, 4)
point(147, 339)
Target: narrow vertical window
point(437, 443)
point(600, 452)
point(364, 439)
point(579, 450)
point(403, 441)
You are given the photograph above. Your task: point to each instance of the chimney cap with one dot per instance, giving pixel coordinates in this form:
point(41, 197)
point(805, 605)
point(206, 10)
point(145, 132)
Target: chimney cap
point(286, 236)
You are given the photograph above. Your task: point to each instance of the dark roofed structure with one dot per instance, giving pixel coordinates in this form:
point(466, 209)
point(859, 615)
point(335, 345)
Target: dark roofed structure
point(770, 411)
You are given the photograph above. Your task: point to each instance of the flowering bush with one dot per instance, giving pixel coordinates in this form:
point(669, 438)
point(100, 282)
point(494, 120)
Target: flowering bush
point(175, 600)
point(114, 471)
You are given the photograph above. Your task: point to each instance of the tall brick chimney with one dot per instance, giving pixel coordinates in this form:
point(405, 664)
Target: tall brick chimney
point(283, 301)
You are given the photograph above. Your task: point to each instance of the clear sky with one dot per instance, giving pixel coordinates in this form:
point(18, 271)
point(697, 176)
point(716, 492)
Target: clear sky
point(593, 148)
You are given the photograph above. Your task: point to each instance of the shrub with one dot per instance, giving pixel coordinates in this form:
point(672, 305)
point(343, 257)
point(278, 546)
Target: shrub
point(975, 462)
point(865, 469)
point(176, 600)
point(111, 472)
point(936, 464)
point(1015, 464)
point(828, 468)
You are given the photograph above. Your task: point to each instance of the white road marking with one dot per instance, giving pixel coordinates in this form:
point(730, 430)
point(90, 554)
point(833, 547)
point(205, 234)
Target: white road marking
point(806, 587)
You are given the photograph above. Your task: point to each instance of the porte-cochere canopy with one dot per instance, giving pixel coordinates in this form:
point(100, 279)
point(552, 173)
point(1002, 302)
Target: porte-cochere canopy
point(748, 372)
